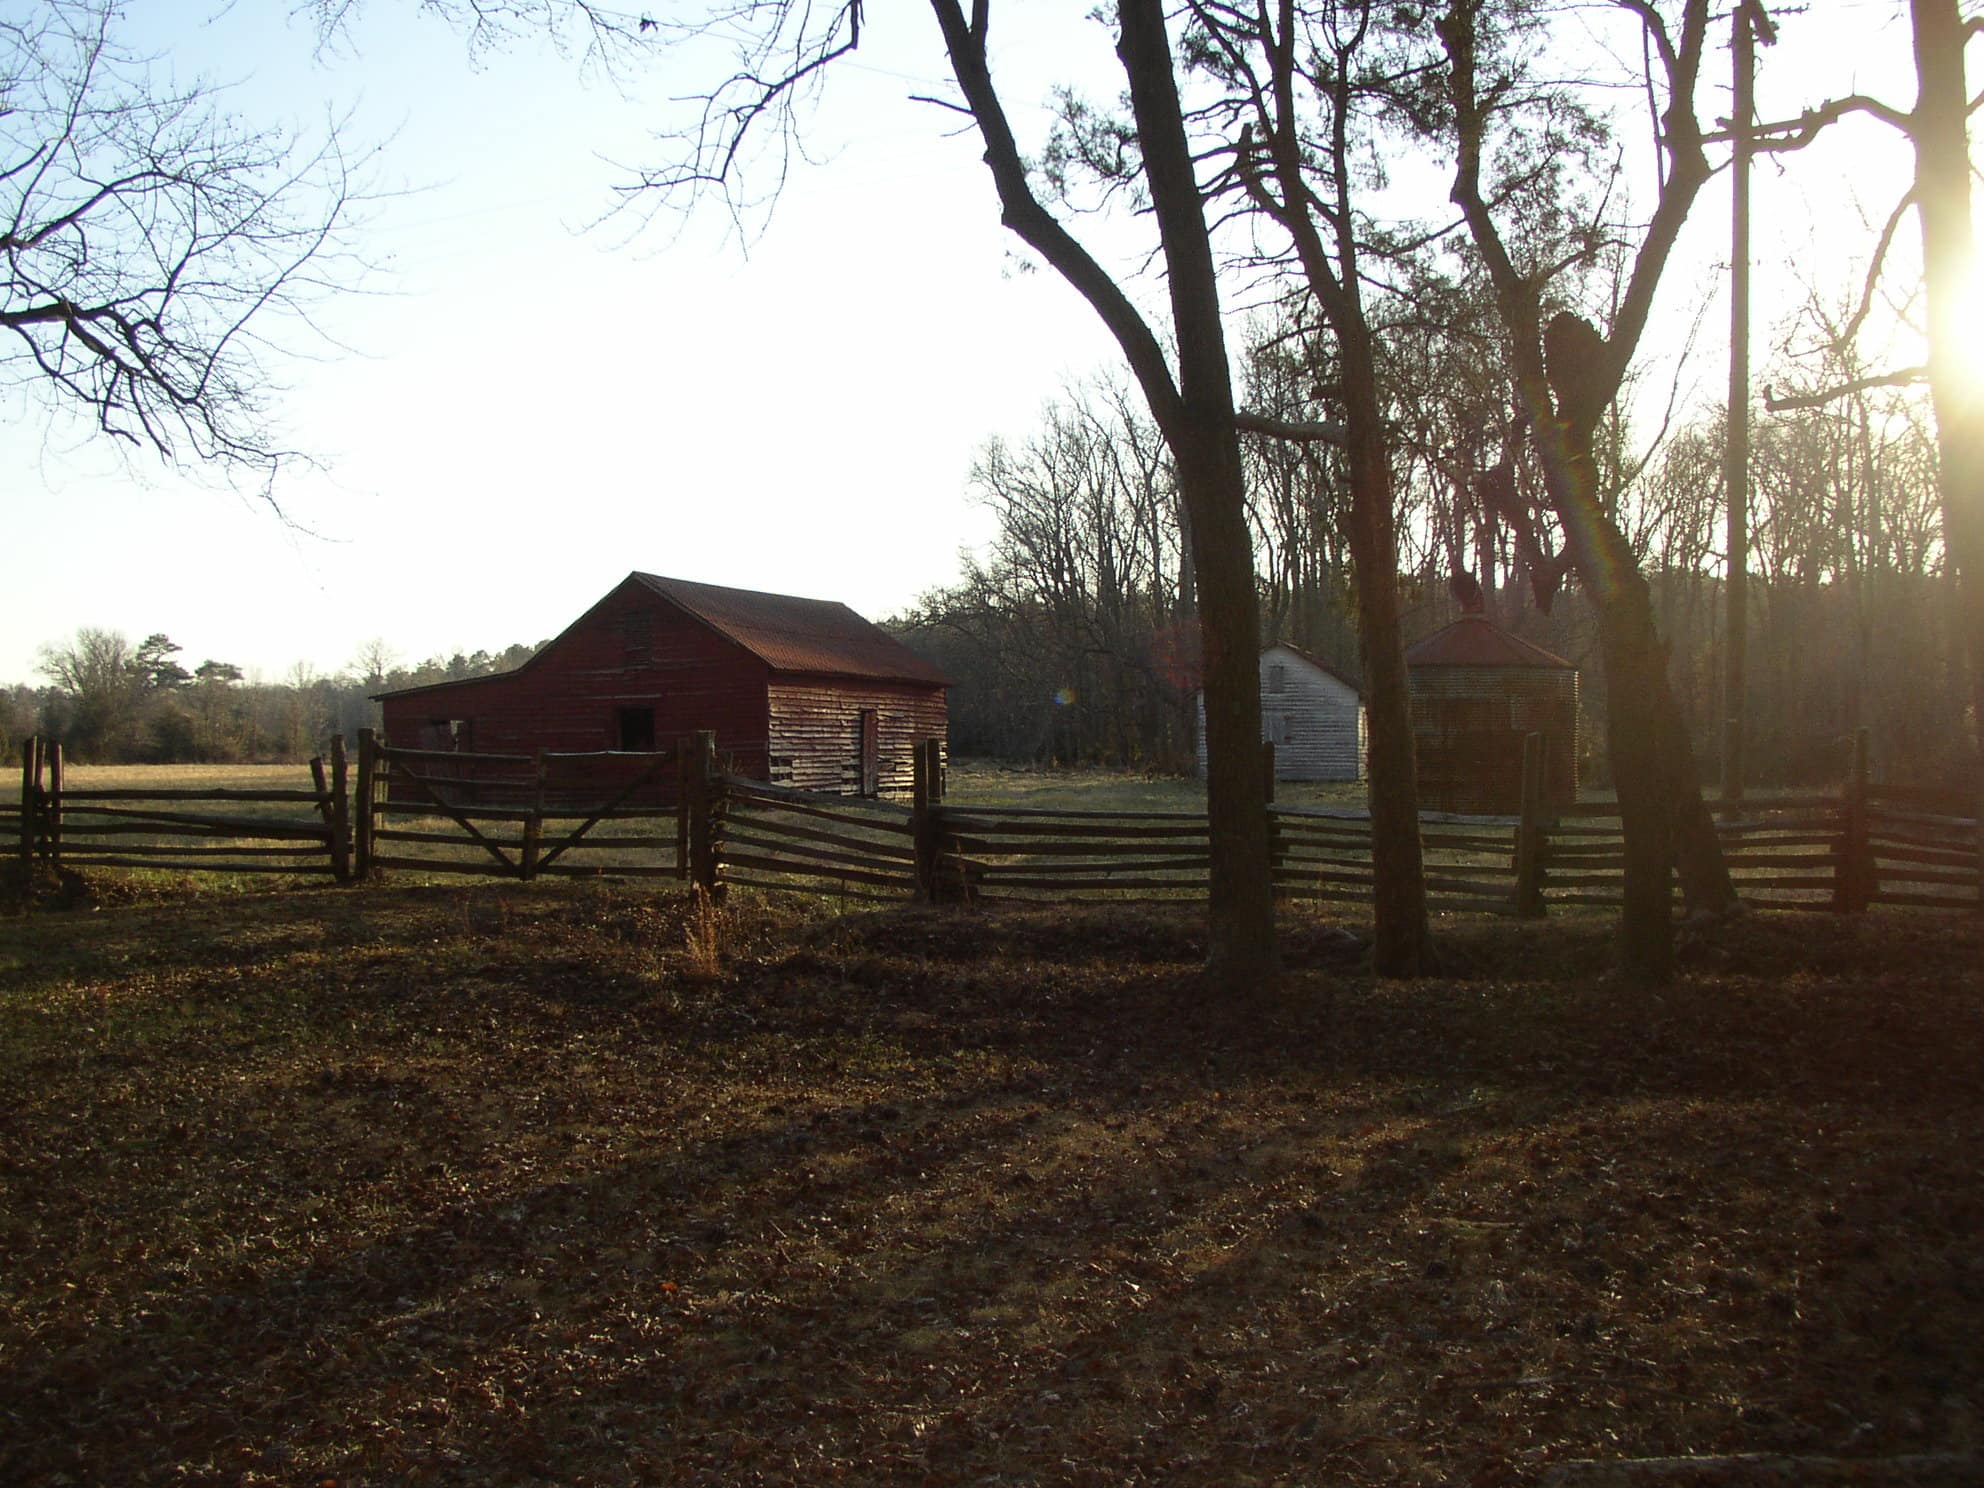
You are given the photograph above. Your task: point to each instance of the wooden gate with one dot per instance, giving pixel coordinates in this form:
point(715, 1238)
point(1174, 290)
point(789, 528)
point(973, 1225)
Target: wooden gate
point(518, 815)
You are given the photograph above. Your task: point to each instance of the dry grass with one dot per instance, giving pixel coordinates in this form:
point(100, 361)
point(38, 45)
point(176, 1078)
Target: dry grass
point(495, 1184)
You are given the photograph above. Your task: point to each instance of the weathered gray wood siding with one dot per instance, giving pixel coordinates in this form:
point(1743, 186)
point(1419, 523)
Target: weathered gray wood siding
point(816, 732)
point(1314, 720)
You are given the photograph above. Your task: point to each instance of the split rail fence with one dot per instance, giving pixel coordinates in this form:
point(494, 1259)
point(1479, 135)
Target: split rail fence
point(676, 814)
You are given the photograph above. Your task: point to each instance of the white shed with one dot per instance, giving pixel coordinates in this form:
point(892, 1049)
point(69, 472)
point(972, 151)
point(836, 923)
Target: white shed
point(1311, 713)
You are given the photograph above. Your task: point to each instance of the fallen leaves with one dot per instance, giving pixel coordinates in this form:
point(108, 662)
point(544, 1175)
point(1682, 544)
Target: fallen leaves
point(490, 1185)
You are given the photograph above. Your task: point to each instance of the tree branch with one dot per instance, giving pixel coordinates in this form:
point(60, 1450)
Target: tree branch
point(1791, 402)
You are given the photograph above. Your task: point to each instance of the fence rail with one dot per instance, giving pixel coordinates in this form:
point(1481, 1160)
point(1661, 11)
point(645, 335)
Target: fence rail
point(671, 814)
point(294, 832)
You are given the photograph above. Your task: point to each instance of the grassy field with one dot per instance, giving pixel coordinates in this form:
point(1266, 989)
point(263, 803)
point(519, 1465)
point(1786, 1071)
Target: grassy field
point(501, 1183)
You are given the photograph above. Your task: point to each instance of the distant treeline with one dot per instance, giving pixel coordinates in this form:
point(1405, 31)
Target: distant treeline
point(1073, 637)
point(112, 702)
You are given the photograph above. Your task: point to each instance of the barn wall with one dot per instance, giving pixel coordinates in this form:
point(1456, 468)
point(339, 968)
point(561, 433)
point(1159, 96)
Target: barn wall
point(631, 650)
point(816, 731)
point(1316, 722)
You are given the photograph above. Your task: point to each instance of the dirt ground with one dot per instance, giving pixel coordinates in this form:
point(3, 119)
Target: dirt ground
point(561, 1184)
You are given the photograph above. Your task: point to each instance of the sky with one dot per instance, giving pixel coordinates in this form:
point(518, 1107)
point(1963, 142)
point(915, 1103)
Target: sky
point(518, 410)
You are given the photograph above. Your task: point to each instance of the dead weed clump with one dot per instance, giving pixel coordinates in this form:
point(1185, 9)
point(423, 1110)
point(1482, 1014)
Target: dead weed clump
point(574, 1183)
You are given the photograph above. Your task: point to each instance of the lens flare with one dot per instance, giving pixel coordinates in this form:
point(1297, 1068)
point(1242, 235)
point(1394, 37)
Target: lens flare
point(1963, 334)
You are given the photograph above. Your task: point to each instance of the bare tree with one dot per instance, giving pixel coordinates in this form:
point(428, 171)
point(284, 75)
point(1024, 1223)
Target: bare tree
point(152, 242)
point(101, 687)
point(1568, 376)
point(783, 52)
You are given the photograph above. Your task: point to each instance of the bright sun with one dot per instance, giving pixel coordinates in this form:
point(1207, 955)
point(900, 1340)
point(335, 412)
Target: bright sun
point(1965, 330)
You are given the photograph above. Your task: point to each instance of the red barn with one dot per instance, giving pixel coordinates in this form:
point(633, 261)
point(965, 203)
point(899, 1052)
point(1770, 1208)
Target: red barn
point(800, 692)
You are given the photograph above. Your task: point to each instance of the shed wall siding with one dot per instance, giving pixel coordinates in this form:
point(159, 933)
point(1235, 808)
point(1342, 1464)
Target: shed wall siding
point(1315, 722)
point(816, 731)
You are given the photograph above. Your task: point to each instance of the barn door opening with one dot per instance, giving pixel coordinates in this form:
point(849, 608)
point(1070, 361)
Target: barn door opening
point(636, 730)
point(871, 752)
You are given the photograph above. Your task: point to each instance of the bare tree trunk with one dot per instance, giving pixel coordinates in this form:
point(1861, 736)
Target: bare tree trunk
point(1212, 480)
point(1196, 416)
point(1942, 191)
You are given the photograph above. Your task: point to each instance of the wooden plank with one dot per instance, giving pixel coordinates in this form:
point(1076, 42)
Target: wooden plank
point(1780, 860)
point(899, 850)
point(807, 853)
point(175, 850)
point(1925, 901)
point(638, 844)
point(94, 860)
point(955, 811)
point(391, 754)
point(785, 795)
point(611, 870)
point(479, 867)
point(745, 806)
point(1196, 864)
point(1962, 820)
point(432, 839)
point(1965, 878)
point(659, 756)
point(1080, 849)
point(905, 881)
point(744, 881)
point(624, 813)
point(217, 795)
point(173, 823)
point(975, 827)
point(1946, 857)
point(1009, 881)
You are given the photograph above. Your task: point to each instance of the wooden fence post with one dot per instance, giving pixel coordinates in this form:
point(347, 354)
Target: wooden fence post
point(321, 783)
point(919, 823)
point(684, 747)
point(51, 831)
point(534, 823)
point(926, 820)
point(340, 812)
point(30, 797)
point(1274, 826)
point(368, 769)
point(1531, 830)
point(701, 797)
point(1853, 869)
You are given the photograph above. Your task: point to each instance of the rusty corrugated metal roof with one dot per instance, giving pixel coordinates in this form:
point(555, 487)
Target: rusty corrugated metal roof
point(789, 634)
point(1474, 640)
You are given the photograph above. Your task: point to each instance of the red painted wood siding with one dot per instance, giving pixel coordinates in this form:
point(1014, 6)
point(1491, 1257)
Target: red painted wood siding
point(635, 649)
point(569, 697)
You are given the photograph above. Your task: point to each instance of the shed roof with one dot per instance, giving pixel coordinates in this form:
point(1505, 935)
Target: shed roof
point(790, 634)
point(1476, 641)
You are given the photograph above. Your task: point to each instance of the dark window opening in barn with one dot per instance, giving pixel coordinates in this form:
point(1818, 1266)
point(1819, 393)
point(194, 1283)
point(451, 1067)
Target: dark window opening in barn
point(636, 730)
point(1277, 678)
point(461, 733)
point(636, 638)
point(871, 752)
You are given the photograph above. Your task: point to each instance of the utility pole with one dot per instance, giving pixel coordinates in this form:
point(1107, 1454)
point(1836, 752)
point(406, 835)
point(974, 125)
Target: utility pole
point(1750, 24)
